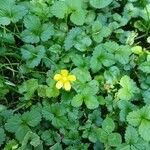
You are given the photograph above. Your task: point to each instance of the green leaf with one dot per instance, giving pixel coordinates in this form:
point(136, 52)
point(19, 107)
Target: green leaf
point(33, 138)
point(112, 75)
point(77, 100)
point(100, 3)
point(2, 136)
point(83, 75)
point(122, 54)
point(87, 88)
point(145, 67)
point(125, 108)
point(114, 139)
point(131, 135)
point(128, 89)
point(100, 31)
point(134, 118)
point(11, 144)
point(101, 58)
point(77, 38)
point(59, 9)
point(108, 125)
point(10, 12)
point(103, 136)
point(35, 31)
point(91, 101)
point(78, 17)
point(60, 121)
point(144, 129)
point(32, 118)
point(140, 118)
point(55, 113)
point(57, 146)
point(32, 55)
point(49, 137)
point(28, 88)
point(51, 90)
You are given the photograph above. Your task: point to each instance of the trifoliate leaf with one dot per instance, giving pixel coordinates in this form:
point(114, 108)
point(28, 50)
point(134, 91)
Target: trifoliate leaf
point(140, 118)
point(32, 55)
point(55, 114)
point(100, 3)
point(128, 89)
point(100, 31)
point(10, 12)
point(28, 88)
point(90, 101)
point(101, 58)
point(35, 30)
point(15, 125)
point(77, 38)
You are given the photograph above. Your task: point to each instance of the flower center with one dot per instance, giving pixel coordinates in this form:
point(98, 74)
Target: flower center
point(64, 79)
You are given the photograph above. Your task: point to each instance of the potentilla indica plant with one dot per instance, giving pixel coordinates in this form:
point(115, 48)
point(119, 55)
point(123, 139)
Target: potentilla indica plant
point(74, 75)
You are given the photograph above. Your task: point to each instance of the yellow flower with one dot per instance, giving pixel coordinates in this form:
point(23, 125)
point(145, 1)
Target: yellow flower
point(63, 80)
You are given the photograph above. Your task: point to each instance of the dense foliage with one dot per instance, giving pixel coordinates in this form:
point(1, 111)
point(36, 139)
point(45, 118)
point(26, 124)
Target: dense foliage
point(105, 44)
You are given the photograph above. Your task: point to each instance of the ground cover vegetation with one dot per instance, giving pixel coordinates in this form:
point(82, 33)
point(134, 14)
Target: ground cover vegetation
point(75, 74)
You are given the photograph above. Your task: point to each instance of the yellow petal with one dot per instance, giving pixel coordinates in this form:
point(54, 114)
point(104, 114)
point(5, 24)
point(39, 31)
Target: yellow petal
point(64, 72)
point(67, 86)
point(59, 84)
point(72, 78)
point(57, 77)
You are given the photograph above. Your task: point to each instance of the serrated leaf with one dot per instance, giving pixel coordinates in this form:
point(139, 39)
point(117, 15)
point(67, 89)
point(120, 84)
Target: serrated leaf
point(100, 3)
point(2, 136)
point(128, 89)
point(32, 118)
point(10, 12)
point(145, 67)
point(91, 101)
point(35, 30)
point(83, 75)
point(78, 17)
point(33, 55)
point(28, 88)
point(114, 139)
point(59, 9)
point(77, 100)
point(100, 58)
point(131, 135)
point(108, 125)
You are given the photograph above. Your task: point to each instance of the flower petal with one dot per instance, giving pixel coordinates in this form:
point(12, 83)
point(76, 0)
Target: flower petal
point(64, 72)
point(57, 77)
point(72, 78)
point(59, 84)
point(67, 86)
